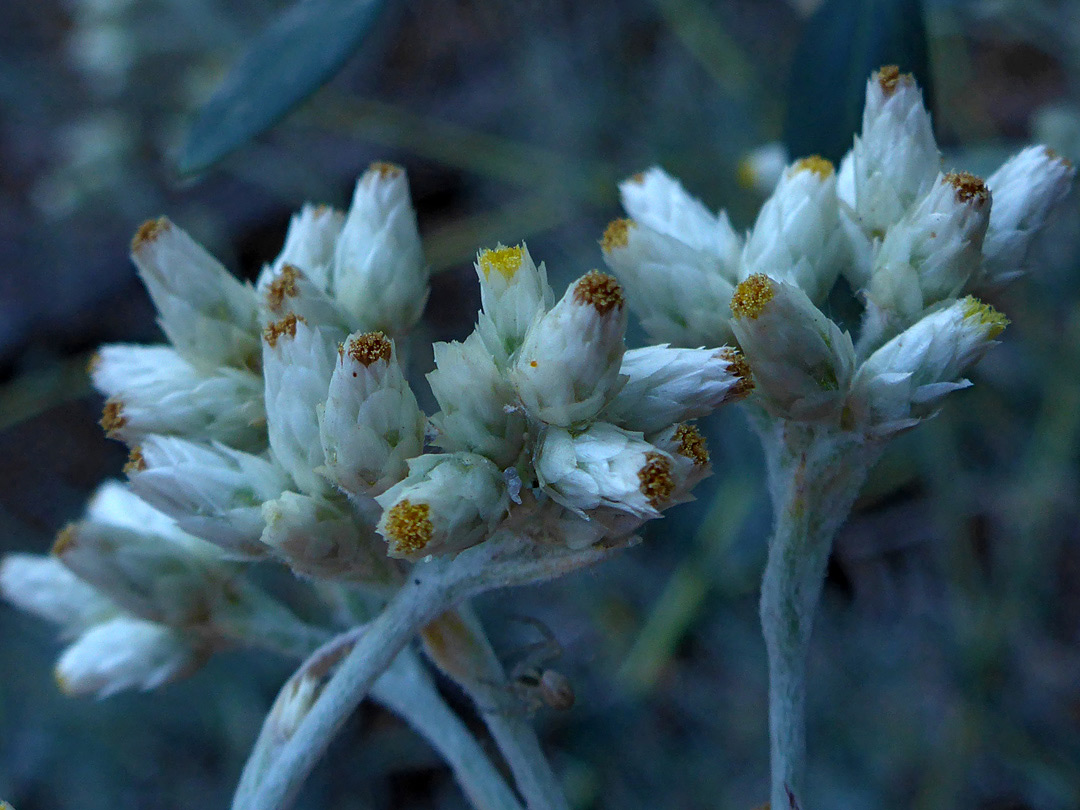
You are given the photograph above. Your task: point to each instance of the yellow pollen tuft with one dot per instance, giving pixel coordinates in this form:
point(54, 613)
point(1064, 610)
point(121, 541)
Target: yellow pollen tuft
point(386, 171)
point(505, 260)
point(409, 526)
point(752, 295)
point(136, 462)
point(282, 287)
point(617, 234)
point(986, 315)
point(889, 76)
point(814, 163)
point(64, 541)
point(638, 178)
point(149, 231)
point(599, 290)
point(692, 444)
point(969, 188)
point(738, 366)
point(112, 417)
point(655, 477)
point(286, 326)
point(369, 348)
point(1050, 153)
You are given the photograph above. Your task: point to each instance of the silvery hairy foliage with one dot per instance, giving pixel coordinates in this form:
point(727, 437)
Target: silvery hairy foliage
point(277, 425)
point(917, 243)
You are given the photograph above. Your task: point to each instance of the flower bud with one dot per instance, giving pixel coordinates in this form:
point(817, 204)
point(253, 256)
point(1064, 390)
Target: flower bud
point(477, 403)
point(568, 366)
point(288, 290)
point(125, 653)
point(689, 455)
point(1026, 189)
point(298, 362)
point(802, 362)
point(207, 314)
point(211, 491)
point(153, 389)
point(43, 586)
point(514, 292)
point(322, 539)
point(934, 250)
point(371, 423)
point(666, 385)
point(379, 276)
point(896, 157)
point(448, 503)
point(905, 380)
point(605, 466)
point(310, 242)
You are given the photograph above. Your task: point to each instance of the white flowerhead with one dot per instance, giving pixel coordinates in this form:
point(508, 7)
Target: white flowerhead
point(513, 292)
point(689, 454)
point(207, 314)
point(324, 539)
point(568, 367)
point(478, 405)
point(797, 236)
point(45, 587)
point(287, 290)
point(802, 362)
point(153, 389)
point(379, 276)
point(447, 503)
point(895, 159)
point(666, 385)
point(933, 252)
point(212, 491)
point(298, 362)
point(310, 243)
point(1026, 189)
point(370, 425)
point(125, 653)
point(605, 466)
point(905, 380)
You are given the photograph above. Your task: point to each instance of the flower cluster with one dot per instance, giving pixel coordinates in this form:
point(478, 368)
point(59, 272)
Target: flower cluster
point(278, 423)
point(914, 241)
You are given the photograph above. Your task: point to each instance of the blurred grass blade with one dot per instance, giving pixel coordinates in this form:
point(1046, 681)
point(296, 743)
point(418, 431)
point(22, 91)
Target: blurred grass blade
point(297, 54)
point(842, 44)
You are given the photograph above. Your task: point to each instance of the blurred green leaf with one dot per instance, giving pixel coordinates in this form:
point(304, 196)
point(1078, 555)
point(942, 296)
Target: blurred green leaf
point(844, 42)
point(300, 51)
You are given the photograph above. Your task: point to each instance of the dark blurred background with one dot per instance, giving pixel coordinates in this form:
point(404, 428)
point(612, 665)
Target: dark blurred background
point(946, 656)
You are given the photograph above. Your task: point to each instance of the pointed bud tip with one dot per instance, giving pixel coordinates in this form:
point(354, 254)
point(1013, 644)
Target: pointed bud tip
point(816, 164)
point(752, 295)
point(385, 171)
point(600, 291)
point(889, 78)
point(985, 315)
point(505, 260)
point(135, 463)
point(112, 417)
point(637, 179)
point(369, 348)
point(691, 444)
point(969, 188)
point(282, 287)
point(656, 483)
point(617, 234)
point(738, 365)
point(409, 526)
point(148, 232)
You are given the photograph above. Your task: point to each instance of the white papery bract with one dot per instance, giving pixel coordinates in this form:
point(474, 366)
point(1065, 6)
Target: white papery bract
point(310, 243)
point(153, 389)
point(370, 425)
point(45, 587)
point(568, 367)
point(125, 653)
point(666, 385)
point(288, 291)
point(1026, 189)
point(478, 405)
point(447, 503)
point(797, 236)
point(207, 314)
point(378, 273)
point(298, 362)
point(605, 466)
point(513, 292)
point(213, 492)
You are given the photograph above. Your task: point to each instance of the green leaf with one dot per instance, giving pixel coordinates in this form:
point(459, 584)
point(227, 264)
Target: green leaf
point(843, 43)
point(300, 51)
